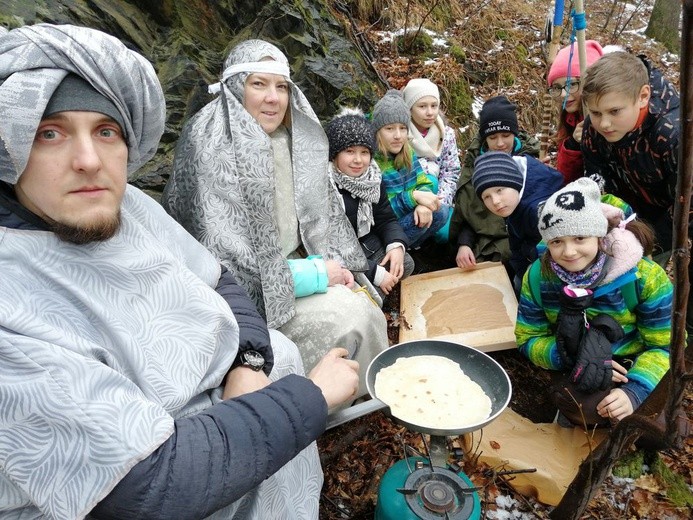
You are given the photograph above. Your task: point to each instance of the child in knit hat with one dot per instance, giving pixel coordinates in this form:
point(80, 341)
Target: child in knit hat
point(594, 308)
point(410, 190)
point(433, 141)
point(512, 187)
point(357, 179)
point(564, 86)
point(475, 233)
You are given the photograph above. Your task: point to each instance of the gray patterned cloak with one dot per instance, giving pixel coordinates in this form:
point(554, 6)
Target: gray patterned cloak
point(222, 190)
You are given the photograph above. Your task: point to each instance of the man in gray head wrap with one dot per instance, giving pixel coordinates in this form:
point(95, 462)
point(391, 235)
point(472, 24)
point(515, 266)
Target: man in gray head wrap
point(137, 379)
point(250, 183)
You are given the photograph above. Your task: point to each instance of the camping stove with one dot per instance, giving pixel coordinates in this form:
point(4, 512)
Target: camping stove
point(427, 488)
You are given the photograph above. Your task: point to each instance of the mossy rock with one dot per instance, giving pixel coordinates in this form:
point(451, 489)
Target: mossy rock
point(413, 43)
point(507, 79)
point(459, 99)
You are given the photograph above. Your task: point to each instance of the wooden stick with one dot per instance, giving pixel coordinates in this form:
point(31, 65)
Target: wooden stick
point(545, 126)
point(547, 111)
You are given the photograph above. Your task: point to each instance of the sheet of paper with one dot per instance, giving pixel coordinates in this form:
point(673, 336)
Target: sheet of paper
point(513, 442)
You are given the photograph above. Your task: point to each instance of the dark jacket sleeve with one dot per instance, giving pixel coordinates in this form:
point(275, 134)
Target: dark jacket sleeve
point(253, 333)
point(215, 457)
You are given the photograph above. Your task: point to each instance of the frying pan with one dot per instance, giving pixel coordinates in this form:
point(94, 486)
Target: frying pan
point(478, 366)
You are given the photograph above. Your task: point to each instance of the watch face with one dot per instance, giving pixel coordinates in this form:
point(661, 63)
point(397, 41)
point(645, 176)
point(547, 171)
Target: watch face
point(253, 359)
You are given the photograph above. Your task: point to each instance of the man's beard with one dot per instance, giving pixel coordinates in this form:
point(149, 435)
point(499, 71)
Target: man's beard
point(98, 232)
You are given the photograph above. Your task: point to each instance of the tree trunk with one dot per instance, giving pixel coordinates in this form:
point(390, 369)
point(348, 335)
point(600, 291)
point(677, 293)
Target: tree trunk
point(664, 24)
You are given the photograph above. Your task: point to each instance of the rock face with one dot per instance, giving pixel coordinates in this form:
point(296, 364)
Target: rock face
point(188, 40)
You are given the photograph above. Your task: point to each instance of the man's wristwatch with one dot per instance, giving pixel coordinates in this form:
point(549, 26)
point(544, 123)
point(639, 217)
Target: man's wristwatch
point(251, 359)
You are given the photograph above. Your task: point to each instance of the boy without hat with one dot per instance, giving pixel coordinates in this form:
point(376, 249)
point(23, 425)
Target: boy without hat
point(513, 188)
point(631, 139)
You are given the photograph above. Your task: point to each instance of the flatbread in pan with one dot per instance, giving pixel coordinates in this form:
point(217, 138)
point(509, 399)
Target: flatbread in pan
point(432, 391)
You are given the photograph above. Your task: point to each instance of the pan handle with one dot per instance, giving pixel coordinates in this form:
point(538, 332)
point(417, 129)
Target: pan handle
point(354, 412)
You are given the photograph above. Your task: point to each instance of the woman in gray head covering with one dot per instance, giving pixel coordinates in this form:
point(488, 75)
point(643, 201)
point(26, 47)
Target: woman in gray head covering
point(249, 182)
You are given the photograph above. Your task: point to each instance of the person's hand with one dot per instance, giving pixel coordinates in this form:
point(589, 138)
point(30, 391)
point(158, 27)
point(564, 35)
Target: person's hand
point(593, 369)
point(395, 257)
point(465, 257)
point(338, 275)
point(388, 283)
point(616, 405)
point(243, 380)
point(619, 374)
point(336, 376)
point(427, 198)
point(571, 323)
point(577, 133)
point(423, 217)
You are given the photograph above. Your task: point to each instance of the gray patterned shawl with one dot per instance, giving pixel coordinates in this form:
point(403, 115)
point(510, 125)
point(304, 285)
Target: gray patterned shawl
point(33, 62)
point(88, 384)
point(222, 188)
point(102, 346)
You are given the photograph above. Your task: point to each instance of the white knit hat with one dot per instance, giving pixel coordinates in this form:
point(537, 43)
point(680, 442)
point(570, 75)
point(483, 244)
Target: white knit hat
point(418, 88)
point(573, 211)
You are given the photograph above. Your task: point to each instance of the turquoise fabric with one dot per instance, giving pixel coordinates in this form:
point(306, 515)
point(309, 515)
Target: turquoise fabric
point(309, 274)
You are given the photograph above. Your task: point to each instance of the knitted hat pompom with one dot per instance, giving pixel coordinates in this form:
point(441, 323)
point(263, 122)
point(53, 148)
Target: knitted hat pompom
point(349, 128)
point(573, 211)
point(494, 169)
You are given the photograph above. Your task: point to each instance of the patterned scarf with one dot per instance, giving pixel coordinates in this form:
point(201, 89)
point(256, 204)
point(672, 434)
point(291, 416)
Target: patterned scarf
point(366, 188)
point(588, 277)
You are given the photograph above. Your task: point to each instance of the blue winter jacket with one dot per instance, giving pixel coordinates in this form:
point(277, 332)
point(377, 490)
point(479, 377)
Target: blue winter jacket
point(540, 182)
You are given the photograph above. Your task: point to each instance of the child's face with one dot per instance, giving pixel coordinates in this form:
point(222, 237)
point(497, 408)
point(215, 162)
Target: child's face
point(353, 161)
point(572, 105)
point(501, 200)
point(425, 112)
point(393, 137)
point(501, 142)
point(615, 114)
point(574, 253)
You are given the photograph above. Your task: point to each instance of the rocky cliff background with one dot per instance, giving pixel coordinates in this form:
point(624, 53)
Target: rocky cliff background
point(188, 40)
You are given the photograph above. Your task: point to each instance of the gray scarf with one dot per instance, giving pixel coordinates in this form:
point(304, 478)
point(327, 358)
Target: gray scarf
point(365, 188)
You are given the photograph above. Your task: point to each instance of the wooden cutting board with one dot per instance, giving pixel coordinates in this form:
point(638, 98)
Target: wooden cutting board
point(474, 307)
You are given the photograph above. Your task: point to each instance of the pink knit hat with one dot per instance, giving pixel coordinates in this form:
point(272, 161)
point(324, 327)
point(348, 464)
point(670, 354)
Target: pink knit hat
point(559, 67)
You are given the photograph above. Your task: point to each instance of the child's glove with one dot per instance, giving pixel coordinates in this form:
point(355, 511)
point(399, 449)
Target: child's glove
point(593, 371)
point(571, 322)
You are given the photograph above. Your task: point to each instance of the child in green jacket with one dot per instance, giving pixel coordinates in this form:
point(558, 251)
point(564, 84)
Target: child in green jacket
point(594, 308)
